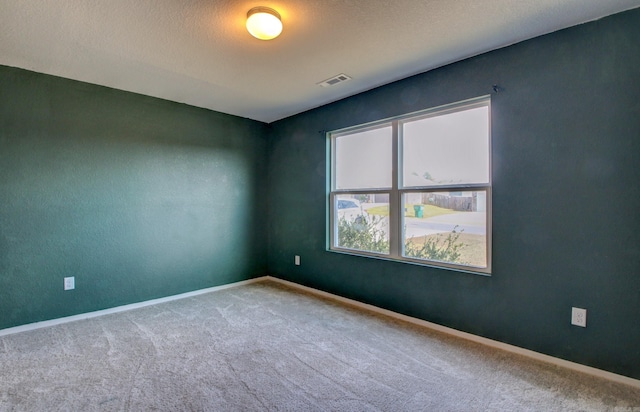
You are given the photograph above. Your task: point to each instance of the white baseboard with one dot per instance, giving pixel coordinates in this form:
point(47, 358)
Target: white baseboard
point(468, 336)
point(89, 315)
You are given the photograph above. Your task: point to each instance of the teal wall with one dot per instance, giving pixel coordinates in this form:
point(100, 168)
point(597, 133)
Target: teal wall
point(136, 197)
point(566, 197)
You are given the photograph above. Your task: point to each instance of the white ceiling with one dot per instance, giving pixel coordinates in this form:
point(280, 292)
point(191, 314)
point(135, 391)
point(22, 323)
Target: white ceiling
point(198, 51)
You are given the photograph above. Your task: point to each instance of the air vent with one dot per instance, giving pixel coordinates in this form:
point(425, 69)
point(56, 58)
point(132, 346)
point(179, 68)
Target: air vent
point(340, 78)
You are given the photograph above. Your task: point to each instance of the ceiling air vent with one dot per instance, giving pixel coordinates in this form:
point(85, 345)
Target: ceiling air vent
point(340, 78)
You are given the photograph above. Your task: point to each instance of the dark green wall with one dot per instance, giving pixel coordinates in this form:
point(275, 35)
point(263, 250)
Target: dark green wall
point(566, 198)
point(136, 197)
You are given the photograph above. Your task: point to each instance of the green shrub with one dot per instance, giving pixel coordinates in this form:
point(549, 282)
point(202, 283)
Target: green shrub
point(440, 248)
point(363, 233)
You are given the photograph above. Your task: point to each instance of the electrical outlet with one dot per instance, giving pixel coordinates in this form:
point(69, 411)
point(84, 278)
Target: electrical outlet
point(296, 260)
point(69, 283)
point(579, 317)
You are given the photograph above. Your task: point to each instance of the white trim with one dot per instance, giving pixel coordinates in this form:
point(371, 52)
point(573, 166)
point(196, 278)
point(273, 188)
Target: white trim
point(89, 315)
point(468, 336)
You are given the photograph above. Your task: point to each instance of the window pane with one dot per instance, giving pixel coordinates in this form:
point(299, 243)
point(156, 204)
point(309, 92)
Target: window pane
point(447, 227)
point(446, 149)
point(362, 222)
point(363, 160)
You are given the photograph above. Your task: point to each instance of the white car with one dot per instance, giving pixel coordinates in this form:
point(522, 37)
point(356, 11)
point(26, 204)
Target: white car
point(351, 210)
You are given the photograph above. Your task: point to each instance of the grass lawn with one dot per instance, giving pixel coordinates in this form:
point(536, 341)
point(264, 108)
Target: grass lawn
point(474, 250)
point(429, 211)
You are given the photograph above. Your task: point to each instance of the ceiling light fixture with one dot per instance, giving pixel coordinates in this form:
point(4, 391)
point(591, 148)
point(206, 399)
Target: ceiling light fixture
point(264, 23)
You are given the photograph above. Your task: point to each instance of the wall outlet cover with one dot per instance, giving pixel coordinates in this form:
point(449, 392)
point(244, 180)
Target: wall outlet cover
point(579, 317)
point(69, 283)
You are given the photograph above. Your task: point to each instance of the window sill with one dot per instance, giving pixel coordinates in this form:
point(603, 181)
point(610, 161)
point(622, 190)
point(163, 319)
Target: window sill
point(455, 268)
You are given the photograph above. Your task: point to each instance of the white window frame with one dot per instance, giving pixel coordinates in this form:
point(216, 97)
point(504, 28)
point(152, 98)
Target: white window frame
point(397, 190)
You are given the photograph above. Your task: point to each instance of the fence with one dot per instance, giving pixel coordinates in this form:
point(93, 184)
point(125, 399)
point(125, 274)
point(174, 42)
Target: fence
point(458, 203)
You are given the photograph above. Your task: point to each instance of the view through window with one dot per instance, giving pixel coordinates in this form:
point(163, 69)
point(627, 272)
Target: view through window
point(416, 188)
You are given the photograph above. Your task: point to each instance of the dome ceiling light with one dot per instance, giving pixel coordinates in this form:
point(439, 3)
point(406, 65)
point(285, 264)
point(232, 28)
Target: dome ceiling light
point(264, 23)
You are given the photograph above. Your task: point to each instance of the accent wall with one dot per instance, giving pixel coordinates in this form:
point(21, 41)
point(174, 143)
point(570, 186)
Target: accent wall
point(566, 167)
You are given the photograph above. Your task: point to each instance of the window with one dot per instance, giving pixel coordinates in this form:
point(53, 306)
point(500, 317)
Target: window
point(415, 188)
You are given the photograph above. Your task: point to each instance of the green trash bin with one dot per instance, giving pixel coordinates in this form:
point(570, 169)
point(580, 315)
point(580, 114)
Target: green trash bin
point(418, 210)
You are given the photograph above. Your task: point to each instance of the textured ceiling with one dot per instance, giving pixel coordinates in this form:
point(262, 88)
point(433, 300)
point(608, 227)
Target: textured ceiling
point(198, 51)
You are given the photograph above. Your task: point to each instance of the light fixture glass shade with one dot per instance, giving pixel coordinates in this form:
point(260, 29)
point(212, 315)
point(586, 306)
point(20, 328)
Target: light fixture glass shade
point(264, 23)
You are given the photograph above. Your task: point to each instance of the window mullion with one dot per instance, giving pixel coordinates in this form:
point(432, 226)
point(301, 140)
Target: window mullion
point(395, 217)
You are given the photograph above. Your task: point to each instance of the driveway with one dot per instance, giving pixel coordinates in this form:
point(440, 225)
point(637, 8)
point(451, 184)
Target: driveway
point(470, 222)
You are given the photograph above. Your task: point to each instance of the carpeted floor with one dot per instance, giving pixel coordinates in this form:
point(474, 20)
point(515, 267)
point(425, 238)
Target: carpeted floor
point(267, 347)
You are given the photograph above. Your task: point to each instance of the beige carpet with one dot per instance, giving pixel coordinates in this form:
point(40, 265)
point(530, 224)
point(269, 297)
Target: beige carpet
point(267, 347)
